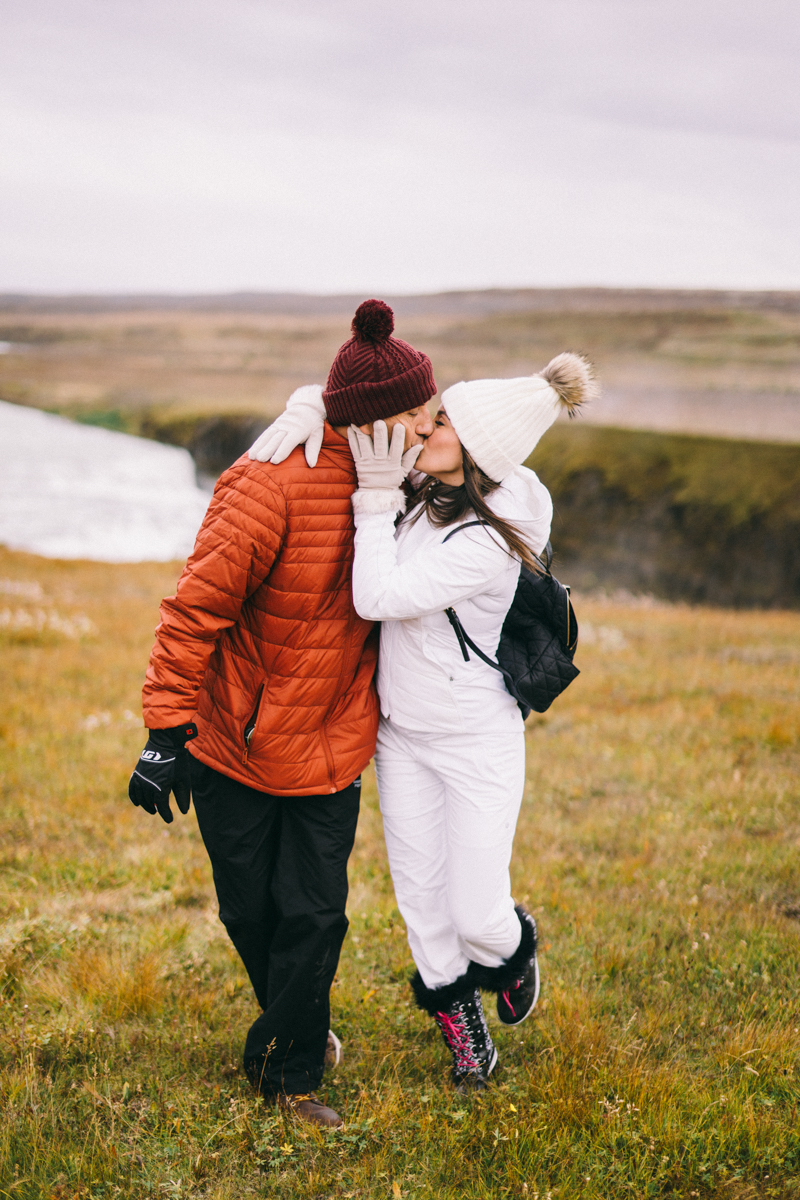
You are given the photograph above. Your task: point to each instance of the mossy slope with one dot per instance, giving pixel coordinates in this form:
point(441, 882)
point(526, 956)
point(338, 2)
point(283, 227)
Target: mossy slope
point(700, 519)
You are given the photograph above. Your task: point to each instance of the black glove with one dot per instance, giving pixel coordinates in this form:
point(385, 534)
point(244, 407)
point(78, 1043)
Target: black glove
point(163, 768)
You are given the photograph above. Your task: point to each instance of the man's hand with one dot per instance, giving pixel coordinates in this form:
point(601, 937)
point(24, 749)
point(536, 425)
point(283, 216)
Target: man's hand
point(302, 423)
point(163, 767)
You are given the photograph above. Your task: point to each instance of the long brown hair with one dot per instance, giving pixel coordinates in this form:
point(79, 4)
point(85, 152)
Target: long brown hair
point(445, 505)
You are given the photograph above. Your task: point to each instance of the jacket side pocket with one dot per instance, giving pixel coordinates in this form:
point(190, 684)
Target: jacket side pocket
point(250, 725)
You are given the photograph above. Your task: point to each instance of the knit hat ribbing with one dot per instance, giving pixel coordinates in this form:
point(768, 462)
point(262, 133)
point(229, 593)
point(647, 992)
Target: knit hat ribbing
point(374, 375)
point(499, 421)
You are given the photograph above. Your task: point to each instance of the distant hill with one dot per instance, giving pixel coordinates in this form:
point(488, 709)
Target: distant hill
point(718, 363)
point(478, 302)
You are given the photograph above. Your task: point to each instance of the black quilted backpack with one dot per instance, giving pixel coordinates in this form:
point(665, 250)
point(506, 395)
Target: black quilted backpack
point(539, 637)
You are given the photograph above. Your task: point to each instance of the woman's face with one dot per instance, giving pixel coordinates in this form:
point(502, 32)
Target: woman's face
point(441, 455)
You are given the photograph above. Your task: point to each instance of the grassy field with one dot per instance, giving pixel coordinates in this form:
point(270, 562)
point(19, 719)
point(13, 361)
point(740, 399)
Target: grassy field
point(658, 847)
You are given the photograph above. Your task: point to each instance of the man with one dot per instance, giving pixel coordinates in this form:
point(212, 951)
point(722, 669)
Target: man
point(263, 667)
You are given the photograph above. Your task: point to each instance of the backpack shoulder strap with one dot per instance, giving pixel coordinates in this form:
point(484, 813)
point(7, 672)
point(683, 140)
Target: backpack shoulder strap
point(544, 559)
point(465, 640)
point(458, 528)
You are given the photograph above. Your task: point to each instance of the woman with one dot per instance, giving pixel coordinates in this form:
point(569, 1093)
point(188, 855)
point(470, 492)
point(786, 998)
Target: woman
point(450, 758)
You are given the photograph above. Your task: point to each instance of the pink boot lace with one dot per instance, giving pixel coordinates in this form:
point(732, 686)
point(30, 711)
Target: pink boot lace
point(506, 997)
point(458, 1040)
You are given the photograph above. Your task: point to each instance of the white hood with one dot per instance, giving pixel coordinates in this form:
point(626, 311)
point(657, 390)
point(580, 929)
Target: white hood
point(523, 500)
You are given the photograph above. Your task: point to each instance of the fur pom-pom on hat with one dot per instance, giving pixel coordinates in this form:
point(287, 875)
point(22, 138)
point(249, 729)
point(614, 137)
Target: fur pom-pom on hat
point(571, 376)
point(499, 421)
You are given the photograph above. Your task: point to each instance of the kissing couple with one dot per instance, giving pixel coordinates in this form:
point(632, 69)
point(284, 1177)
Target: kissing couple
point(307, 634)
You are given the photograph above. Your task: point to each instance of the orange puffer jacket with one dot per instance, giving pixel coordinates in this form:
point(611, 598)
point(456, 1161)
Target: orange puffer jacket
point(261, 644)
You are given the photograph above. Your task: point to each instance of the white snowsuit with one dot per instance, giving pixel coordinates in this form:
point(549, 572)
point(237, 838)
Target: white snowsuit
point(450, 758)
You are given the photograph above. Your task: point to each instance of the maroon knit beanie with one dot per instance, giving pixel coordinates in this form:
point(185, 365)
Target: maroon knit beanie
point(375, 375)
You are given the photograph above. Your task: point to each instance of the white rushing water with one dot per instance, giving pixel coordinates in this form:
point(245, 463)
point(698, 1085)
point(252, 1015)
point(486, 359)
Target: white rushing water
point(77, 491)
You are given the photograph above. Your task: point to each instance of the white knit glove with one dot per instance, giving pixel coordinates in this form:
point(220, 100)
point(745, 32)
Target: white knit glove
point(380, 467)
point(302, 423)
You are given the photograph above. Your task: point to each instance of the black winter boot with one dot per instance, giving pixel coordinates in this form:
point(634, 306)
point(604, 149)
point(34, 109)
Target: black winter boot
point(517, 980)
point(457, 1010)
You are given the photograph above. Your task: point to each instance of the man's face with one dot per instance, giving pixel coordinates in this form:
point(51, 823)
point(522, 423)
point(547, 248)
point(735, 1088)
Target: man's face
point(417, 423)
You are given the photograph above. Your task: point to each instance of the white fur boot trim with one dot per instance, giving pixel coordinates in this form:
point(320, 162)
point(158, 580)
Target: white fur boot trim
point(368, 502)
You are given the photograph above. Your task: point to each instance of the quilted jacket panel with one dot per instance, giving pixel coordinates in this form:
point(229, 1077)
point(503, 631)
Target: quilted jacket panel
point(262, 631)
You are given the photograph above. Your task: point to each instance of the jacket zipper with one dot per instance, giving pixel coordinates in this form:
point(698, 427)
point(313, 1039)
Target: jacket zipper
point(250, 727)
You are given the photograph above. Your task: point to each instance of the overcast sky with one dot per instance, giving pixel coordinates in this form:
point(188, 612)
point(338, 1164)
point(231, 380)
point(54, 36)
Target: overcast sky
point(353, 145)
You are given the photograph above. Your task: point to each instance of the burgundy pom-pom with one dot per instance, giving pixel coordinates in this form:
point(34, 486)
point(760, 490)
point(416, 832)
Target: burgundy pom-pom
point(373, 322)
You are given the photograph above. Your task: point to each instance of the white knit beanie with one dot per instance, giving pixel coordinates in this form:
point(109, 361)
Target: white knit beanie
point(499, 421)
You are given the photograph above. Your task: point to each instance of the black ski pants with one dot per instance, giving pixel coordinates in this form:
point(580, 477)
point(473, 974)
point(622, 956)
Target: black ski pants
point(280, 871)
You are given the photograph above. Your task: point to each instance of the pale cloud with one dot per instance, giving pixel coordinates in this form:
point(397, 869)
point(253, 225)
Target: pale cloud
point(342, 145)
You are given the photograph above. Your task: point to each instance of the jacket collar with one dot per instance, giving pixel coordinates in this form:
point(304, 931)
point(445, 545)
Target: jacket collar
point(338, 447)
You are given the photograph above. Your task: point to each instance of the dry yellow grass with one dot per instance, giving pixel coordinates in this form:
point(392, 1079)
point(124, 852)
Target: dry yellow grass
point(658, 846)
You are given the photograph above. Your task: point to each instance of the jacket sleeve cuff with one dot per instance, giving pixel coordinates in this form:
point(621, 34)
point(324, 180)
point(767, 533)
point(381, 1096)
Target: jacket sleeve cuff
point(368, 502)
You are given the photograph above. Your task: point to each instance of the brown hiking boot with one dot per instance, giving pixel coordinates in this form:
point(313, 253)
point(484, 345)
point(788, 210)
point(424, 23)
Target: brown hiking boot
point(309, 1107)
point(333, 1051)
